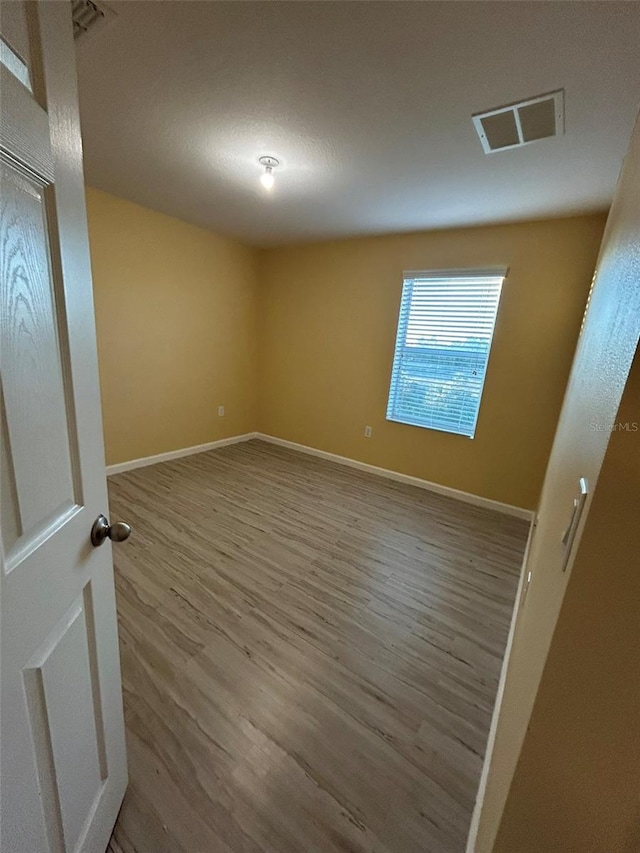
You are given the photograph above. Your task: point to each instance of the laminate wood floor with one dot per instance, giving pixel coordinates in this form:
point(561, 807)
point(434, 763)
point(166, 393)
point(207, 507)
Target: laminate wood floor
point(310, 655)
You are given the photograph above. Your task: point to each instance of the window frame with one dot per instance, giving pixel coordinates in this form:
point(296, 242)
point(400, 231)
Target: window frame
point(409, 277)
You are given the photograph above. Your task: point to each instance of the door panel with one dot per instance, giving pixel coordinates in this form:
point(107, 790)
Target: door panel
point(15, 35)
point(24, 127)
point(59, 690)
point(40, 444)
point(63, 760)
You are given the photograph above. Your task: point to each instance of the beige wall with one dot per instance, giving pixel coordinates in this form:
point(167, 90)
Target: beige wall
point(328, 316)
point(577, 783)
point(298, 342)
point(176, 323)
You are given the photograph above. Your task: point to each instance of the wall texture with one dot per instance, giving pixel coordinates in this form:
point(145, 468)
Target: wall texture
point(176, 322)
point(328, 315)
point(577, 783)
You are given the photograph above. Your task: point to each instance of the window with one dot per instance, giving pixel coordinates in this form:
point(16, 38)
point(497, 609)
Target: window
point(444, 336)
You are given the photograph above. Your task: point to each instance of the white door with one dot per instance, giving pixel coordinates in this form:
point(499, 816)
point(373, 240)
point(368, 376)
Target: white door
point(62, 745)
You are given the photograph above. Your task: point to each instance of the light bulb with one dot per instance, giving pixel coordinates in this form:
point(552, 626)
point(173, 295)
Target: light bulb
point(267, 179)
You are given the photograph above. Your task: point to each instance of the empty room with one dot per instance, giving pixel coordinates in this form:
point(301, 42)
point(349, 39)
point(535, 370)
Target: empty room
point(320, 402)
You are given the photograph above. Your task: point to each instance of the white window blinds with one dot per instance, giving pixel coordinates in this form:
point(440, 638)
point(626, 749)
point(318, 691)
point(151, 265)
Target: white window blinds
point(444, 336)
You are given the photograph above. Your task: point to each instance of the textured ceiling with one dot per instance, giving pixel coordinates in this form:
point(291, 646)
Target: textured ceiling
point(367, 104)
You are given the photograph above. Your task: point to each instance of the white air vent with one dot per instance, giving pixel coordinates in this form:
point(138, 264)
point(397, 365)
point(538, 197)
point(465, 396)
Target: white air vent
point(519, 124)
point(88, 16)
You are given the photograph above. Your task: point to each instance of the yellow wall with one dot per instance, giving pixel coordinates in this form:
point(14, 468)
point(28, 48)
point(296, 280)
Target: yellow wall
point(328, 316)
point(176, 324)
point(577, 783)
point(298, 342)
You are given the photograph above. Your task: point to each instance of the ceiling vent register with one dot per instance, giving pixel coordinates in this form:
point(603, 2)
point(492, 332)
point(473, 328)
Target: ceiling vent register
point(515, 125)
point(88, 16)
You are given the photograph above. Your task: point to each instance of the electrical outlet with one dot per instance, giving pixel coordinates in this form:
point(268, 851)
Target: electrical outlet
point(368, 432)
point(220, 411)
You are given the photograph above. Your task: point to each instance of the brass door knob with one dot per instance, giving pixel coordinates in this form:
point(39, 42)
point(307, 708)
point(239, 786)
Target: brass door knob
point(102, 530)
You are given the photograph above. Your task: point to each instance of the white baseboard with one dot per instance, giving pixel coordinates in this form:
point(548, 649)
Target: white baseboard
point(121, 467)
point(466, 497)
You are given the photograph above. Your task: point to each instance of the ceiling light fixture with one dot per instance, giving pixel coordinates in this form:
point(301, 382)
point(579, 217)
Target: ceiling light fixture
point(266, 178)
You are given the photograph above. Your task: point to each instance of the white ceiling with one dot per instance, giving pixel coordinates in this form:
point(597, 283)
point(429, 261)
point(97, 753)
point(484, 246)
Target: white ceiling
point(367, 104)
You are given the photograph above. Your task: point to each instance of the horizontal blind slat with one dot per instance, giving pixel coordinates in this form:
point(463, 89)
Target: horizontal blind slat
point(445, 329)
